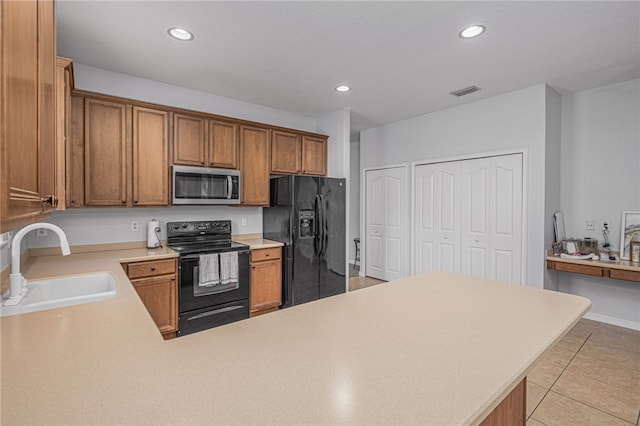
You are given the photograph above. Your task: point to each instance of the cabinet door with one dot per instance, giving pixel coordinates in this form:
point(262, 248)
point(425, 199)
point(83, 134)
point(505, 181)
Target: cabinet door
point(285, 152)
point(63, 117)
point(254, 171)
point(150, 157)
point(19, 42)
point(223, 144)
point(46, 115)
point(159, 297)
point(75, 154)
point(266, 285)
point(105, 151)
point(314, 156)
point(189, 139)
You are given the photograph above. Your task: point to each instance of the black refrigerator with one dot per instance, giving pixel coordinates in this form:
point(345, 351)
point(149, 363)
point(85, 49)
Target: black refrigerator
point(308, 215)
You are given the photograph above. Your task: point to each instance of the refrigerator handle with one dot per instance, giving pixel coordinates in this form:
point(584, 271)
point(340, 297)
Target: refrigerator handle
point(316, 232)
point(325, 225)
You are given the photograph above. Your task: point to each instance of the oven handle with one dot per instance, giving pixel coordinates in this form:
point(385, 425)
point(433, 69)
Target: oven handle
point(214, 312)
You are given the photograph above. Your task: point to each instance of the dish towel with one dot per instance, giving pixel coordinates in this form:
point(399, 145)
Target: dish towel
point(229, 267)
point(209, 273)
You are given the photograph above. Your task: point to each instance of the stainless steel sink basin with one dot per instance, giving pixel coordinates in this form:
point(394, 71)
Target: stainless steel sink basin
point(63, 291)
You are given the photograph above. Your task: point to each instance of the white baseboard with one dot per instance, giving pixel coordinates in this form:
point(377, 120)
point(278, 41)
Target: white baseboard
point(613, 321)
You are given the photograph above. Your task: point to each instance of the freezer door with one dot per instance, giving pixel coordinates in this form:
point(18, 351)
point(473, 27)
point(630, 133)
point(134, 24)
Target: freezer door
point(305, 271)
point(277, 218)
point(332, 227)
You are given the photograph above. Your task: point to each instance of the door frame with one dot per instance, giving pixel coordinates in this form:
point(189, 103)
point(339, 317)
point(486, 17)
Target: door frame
point(525, 191)
point(363, 215)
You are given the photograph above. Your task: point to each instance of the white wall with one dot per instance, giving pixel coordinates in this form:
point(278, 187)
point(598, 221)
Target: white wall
point(553, 129)
point(354, 198)
point(105, 225)
point(337, 126)
point(600, 178)
point(116, 84)
point(515, 120)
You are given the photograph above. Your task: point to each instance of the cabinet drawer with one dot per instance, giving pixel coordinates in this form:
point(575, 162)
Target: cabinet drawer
point(580, 269)
point(259, 255)
point(621, 274)
point(147, 269)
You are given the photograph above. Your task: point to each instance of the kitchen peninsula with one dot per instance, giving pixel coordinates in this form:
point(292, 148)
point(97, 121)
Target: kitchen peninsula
point(437, 348)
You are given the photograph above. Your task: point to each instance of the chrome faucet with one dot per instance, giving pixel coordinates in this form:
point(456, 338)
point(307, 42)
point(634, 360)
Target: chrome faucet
point(18, 283)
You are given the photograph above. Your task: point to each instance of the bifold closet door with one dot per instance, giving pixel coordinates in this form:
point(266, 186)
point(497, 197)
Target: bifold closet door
point(385, 223)
point(437, 216)
point(491, 238)
point(468, 217)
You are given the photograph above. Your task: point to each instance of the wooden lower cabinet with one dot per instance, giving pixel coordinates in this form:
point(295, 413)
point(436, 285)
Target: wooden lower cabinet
point(265, 294)
point(157, 286)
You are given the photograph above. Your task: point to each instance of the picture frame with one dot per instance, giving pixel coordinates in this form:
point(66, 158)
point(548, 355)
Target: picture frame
point(629, 231)
point(634, 251)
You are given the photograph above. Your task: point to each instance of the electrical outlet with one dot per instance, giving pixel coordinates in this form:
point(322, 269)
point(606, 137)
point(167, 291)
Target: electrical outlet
point(591, 224)
point(135, 226)
point(41, 232)
point(243, 221)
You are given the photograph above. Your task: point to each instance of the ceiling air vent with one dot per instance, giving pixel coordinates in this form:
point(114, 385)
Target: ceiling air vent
point(465, 91)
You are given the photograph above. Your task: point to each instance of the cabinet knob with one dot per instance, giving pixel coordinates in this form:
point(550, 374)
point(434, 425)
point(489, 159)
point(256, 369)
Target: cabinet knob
point(124, 201)
point(135, 201)
point(202, 162)
point(266, 255)
point(253, 267)
point(153, 269)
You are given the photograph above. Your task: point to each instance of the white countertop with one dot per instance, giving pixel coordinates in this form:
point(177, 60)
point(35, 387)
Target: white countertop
point(433, 349)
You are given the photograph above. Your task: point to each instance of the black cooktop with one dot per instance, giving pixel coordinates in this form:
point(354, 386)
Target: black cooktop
point(207, 247)
point(210, 236)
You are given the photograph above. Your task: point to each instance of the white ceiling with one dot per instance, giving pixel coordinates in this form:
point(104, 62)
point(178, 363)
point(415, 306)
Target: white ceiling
point(401, 58)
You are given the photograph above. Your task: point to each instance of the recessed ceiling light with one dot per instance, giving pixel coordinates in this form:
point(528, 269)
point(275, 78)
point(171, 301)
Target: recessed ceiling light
point(343, 88)
point(180, 34)
point(472, 31)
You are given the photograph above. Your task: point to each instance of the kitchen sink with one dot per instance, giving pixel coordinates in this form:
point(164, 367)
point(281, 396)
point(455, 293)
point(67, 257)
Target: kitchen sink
point(63, 291)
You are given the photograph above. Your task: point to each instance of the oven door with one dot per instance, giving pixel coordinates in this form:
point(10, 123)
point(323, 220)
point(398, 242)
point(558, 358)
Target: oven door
point(203, 319)
point(193, 296)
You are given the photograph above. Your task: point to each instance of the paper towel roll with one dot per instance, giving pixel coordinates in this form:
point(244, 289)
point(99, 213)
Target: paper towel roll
point(153, 232)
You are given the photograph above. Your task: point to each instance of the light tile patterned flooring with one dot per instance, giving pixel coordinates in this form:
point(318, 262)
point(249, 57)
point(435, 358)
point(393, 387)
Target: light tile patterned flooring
point(590, 377)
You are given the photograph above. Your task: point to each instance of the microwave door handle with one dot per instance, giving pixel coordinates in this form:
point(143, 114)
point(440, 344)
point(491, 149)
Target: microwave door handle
point(229, 187)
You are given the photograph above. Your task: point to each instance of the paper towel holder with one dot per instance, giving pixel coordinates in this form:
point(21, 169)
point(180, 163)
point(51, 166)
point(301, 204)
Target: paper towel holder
point(153, 234)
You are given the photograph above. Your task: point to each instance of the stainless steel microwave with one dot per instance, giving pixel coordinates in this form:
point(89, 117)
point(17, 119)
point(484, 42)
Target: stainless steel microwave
point(199, 185)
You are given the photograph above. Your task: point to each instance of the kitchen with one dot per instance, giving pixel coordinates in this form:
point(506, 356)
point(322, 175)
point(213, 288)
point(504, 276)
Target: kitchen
point(114, 224)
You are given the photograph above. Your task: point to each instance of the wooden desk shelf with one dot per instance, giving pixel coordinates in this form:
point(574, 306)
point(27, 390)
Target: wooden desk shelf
point(621, 270)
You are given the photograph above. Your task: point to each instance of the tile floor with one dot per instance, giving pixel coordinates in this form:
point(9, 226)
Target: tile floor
point(590, 377)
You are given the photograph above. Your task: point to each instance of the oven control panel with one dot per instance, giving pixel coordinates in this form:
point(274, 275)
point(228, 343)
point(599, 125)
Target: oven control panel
point(208, 227)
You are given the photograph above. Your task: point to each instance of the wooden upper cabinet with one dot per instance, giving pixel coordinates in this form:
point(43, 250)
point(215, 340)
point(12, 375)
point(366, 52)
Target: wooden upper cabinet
point(189, 140)
point(19, 39)
point(46, 99)
point(106, 142)
point(223, 144)
point(285, 152)
point(150, 170)
point(254, 166)
point(314, 156)
point(64, 84)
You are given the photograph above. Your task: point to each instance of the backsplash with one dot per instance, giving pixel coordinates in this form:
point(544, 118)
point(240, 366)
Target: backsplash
point(96, 226)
